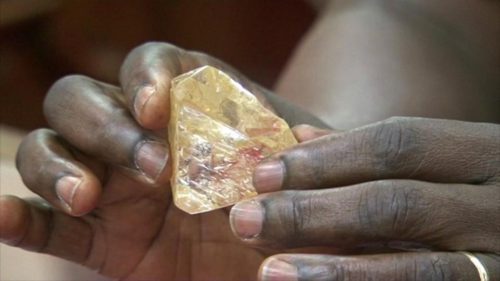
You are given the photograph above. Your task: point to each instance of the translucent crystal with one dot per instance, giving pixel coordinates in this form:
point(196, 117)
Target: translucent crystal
point(218, 132)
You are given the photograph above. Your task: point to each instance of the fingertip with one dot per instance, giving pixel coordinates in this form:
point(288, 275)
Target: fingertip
point(151, 107)
point(275, 268)
point(165, 175)
point(152, 160)
point(13, 219)
point(246, 219)
point(145, 78)
point(85, 196)
point(269, 176)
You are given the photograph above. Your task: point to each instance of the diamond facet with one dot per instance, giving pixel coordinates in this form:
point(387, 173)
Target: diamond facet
point(218, 133)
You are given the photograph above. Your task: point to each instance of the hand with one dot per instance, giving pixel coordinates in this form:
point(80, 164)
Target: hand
point(103, 173)
point(405, 183)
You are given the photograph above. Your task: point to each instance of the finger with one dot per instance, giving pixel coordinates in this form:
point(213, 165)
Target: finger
point(458, 217)
point(437, 266)
point(34, 226)
point(91, 117)
point(146, 74)
point(49, 169)
point(406, 148)
point(306, 132)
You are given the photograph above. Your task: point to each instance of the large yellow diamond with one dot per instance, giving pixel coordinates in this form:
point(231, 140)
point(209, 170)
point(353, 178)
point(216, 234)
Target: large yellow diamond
point(218, 132)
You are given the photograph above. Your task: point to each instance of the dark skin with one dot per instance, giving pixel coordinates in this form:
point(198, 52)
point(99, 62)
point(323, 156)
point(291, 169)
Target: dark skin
point(397, 184)
point(121, 220)
point(404, 181)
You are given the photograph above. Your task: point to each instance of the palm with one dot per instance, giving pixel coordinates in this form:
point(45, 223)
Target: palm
point(140, 234)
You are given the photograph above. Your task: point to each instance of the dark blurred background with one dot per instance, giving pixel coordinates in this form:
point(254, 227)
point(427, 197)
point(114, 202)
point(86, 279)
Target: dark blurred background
point(43, 40)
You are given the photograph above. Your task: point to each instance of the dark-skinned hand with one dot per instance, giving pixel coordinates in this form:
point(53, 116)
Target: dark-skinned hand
point(426, 185)
point(109, 143)
point(103, 173)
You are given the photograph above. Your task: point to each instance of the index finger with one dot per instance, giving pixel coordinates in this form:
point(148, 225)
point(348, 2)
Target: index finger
point(432, 150)
point(146, 74)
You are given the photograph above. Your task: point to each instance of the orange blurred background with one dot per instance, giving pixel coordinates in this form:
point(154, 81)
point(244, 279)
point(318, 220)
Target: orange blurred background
point(43, 40)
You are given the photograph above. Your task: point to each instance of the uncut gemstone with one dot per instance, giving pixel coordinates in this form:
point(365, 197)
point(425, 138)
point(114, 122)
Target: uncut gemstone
point(218, 132)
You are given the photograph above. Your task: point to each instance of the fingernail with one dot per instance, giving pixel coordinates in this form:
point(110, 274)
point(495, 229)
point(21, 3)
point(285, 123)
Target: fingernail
point(151, 158)
point(142, 97)
point(268, 176)
point(66, 188)
point(247, 218)
point(306, 132)
point(277, 270)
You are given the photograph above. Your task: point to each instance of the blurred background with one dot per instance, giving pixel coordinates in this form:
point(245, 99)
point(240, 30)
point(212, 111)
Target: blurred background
point(43, 40)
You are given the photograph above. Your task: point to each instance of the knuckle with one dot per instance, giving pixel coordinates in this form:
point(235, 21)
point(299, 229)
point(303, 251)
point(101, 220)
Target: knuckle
point(291, 219)
point(145, 53)
point(436, 268)
point(65, 84)
point(143, 48)
point(36, 160)
point(145, 64)
point(202, 57)
point(395, 140)
point(347, 269)
point(62, 91)
point(388, 209)
point(196, 58)
point(300, 212)
point(31, 145)
point(154, 46)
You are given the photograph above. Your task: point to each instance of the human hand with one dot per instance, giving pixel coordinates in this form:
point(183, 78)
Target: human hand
point(431, 185)
point(103, 171)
